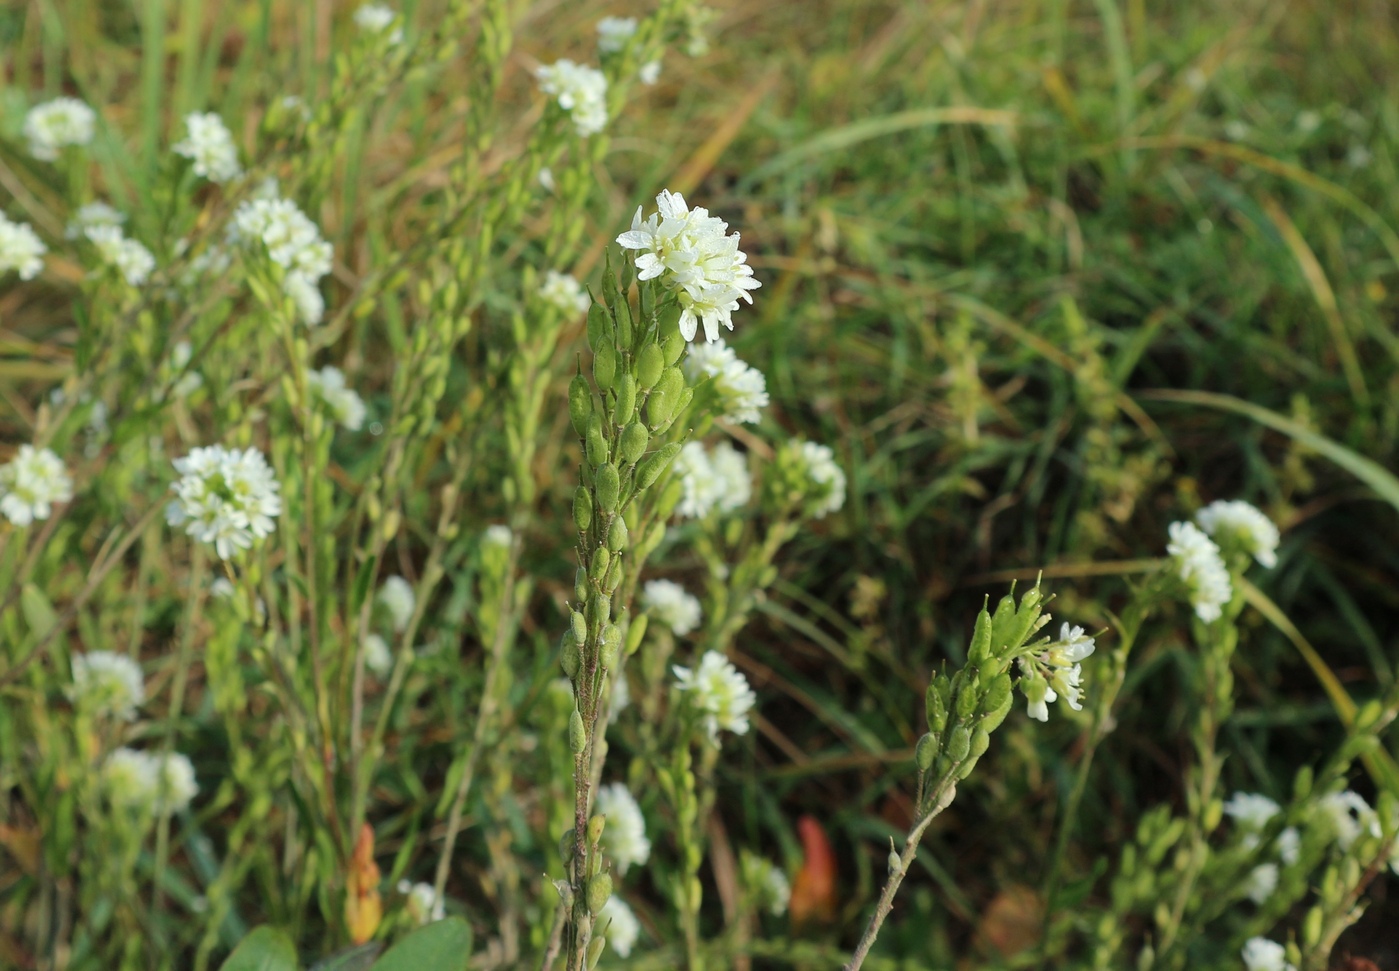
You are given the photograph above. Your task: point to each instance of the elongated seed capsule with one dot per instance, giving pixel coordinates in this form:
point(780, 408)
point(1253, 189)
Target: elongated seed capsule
point(580, 404)
point(599, 326)
point(602, 559)
point(582, 509)
point(607, 486)
point(613, 580)
point(635, 633)
point(580, 585)
point(596, 442)
point(595, 827)
point(626, 399)
point(681, 402)
point(595, 948)
point(569, 657)
point(672, 347)
point(617, 535)
point(611, 645)
point(599, 889)
point(959, 743)
point(579, 626)
point(605, 365)
point(649, 365)
point(635, 438)
point(650, 470)
point(926, 751)
point(599, 608)
point(577, 733)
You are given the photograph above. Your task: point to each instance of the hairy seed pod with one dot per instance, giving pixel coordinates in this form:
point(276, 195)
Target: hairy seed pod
point(682, 401)
point(577, 733)
point(607, 486)
point(611, 646)
point(635, 633)
point(997, 693)
point(579, 626)
point(926, 751)
point(959, 743)
point(605, 365)
point(980, 740)
point(613, 580)
point(649, 365)
point(602, 559)
point(599, 608)
point(649, 471)
point(595, 948)
point(635, 438)
point(599, 889)
point(672, 347)
point(580, 585)
point(582, 509)
point(596, 442)
point(968, 696)
point(617, 535)
point(566, 847)
point(626, 399)
point(657, 407)
point(599, 326)
point(595, 827)
point(569, 657)
point(580, 404)
point(937, 708)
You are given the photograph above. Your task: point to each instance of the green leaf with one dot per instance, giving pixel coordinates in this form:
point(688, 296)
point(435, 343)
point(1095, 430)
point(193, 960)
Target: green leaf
point(38, 612)
point(441, 946)
point(265, 949)
point(353, 959)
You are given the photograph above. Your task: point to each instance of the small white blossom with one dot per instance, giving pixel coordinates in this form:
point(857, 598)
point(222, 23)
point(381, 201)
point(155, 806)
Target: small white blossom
point(546, 179)
point(209, 146)
point(649, 73)
point(624, 837)
point(580, 90)
point(1250, 810)
point(689, 251)
point(621, 926)
point(709, 481)
point(812, 476)
point(293, 242)
point(21, 249)
point(310, 305)
point(718, 690)
point(498, 535)
point(1244, 524)
point(191, 380)
point(91, 216)
point(1201, 569)
point(742, 391)
point(1262, 881)
point(31, 483)
point(1261, 954)
point(377, 656)
point(149, 783)
point(564, 292)
point(107, 683)
point(422, 903)
point(1348, 815)
point(1056, 672)
point(671, 604)
point(222, 588)
point(127, 256)
point(345, 405)
point(226, 497)
point(735, 481)
point(397, 597)
point(1290, 845)
point(767, 882)
point(614, 32)
point(56, 125)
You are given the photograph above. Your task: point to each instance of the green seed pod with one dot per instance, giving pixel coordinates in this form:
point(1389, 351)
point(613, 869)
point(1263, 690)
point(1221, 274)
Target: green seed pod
point(981, 740)
point(599, 325)
point(635, 633)
point(611, 645)
point(1311, 927)
point(569, 658)
point(599, 608)
point(965, 767)
point(626, 399)
point(617, 535)
point(580, 404)
point(649, 471)
point(579, 627)
point(657, 407)
point(613, 580)
point(959, 743)
point(672, 347)
point(996, 694)
point(605, 365)
point(582, 509)
point(577, 734)
point(667, 389)
point(596, 442)
point(968, 696)
point(654, 535)
point(566, 847)
point(681, 402)
point(937, 707)
point(580, 585)
point(925, 753)
point(599, 889)
point(635, 438)
point(992, 720)
point(981, 638)
point(595, 827)
point(595, 948)
point(649, 365)
point(602, 559)
point(607, 484)
point(1302, 783)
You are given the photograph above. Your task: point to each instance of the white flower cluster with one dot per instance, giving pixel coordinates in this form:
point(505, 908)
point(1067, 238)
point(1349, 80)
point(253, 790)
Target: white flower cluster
point(580, 90)
point(345, 405)
point(614, 32)
point(21, 249)
point(293, 242)
point(622, 927)
point(1201, 569)
point(31, 483)
point(422, 903)
point(498, 535)
point(742, 391)
point(56, 125)
point(149, 783)
point(768, 884)
point(191, 380)
point(107, 683)
point(712, 480)
point(1251, 812)
point(649, 73)
point(812, 476)
point(671, 604)
point(689, 251)
point(227, 497)
point(719, 691)
point(127, 256)
point(378, 658)
point(209, 145)
point(624, 836)
point(397, 597)
point(1261, 954)
point(1241, 523)
point(1056, 672)
point(1348, 815)
point(91, 216)
point(564, 292)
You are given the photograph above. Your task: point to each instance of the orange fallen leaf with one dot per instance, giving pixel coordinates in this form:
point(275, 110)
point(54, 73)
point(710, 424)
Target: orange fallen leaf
point(814, 889)
point(363, 908)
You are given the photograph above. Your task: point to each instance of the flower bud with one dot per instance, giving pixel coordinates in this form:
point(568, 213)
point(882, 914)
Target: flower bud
point(605, 365)
point(580, 404)
point(672, 347)
point(626, 399)
point(635, 633)
point(649, 471)
point(599, 889)
point(596, 442)
point(582, 509)
point(649, 364)
point(926, 751)
point(634, 441)
point(602, 559)
point(607, 484)
point(577, 733)
point(617, 535)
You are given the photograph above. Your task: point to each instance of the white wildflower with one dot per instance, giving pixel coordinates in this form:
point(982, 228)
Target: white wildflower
point(1056, 672)
point(1251, 810)
point(345, 405)
point(222, 588)
point(191, 380)
point(148, 782)
point(710, 481)
point(31, 483)
point(209, 146)
point(689, 251)
point(127, 256)
point(649, 73)
point(720, 692)
point(1262, 881)
point(809, 474)
point(107, 683)
point(671, 604)
point(624, 836)
point(310, 305)
point(21, 249)
point(1239, 522)
point(226, 497)
point(731, 473)
point(580, 90)
point(293, 242)
point(422, 903)
point(1201, 569)
point(397, 597)
point(741, 390)
point(1348, 815)
point(374, 18)
point(621, 926)
point(56, 125)
point(91, 216)
point(1290, 845)
point(546, 179)
point(377, 656)
point(767, 882)
point(497, 535)
point(1261, 954)
point(564, 292)
point(614, 32)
